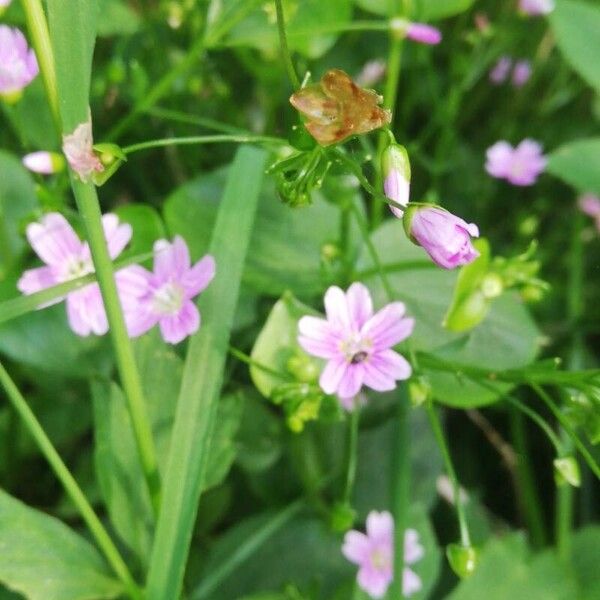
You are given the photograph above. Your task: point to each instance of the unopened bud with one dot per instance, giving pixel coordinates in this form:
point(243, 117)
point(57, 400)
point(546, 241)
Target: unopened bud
point(111, 156)
point(462, 559)
point(395, 166)
point(566, 471)
point(44, 163)
point(492, 286)
point(342, 517)
point(419, 391)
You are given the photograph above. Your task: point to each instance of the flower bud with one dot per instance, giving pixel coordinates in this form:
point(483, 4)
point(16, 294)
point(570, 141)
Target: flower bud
point(342, 517)
point(492, 286)
point(419, 391)
point(566, 471)
point(112, 157)
point(44, 163)
point(395, 167)
point(462, 559)
point(444, 236)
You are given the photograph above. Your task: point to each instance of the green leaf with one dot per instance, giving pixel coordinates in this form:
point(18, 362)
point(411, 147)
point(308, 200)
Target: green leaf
point(578, 164)
point(507, 337)
point(507, 570)
point(285, 248)
point(423, 10)
point(586, 543)
point(576, 25)
point(202, 377)
point(17, 201)
point(43, 559)
point(117, 18)
point(277, 342)
point(146, 224)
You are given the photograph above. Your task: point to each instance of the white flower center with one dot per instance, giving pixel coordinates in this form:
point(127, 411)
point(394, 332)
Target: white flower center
point(76, 267)
point(168, 299)
point(380, 560)
point(356, 349)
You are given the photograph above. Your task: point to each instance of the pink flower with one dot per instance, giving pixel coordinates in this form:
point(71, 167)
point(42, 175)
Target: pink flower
point(374, 555)
point(357, 344)
point(444, 236)
point(67, 257)
point(520, 166)
point(372, 73)
point(521, 73)
point(80, 154)
point(44, 163)
point(425, 34)
point(589, 204)
point(536, 7)
point(18, 64)
point(170, 289)
point(501, 69)
point(395, 166)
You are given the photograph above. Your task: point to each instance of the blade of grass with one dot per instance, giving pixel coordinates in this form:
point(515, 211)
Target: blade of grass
point(202, 377)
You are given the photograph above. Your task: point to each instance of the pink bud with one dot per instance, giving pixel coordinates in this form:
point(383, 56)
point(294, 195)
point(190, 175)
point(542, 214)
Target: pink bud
point(396, 172)
point(521, 73)
point(44, 163)
point(444, 236)
point(425, 34)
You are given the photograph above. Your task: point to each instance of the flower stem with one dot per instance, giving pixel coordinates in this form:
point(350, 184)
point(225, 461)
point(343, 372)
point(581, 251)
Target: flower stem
point(285, 50)
point(434, 420)
point(204, 139)
point(40, 38)
point(353, 426)
point(69, 484)
point(89, 208)
point(243, 357)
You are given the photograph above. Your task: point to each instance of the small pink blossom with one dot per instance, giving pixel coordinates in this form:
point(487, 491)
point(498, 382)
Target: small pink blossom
point(170, 289)
point(521, 73)
point(373, 552)
point(589, 204)
point(424, 34)
point(18, 64)
point(78, 148)
point(44, 163)
point(67, 257)
point(444, 236)
point(536, 7)
point(501, 70)
point(356, 343)
point(520, 166)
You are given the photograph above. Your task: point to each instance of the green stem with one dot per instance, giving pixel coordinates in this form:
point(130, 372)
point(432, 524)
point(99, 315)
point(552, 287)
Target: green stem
point(89, 208)
point(69, 484)
point(189, 119)
point(358, 25)
point(245, 550)
point(434, 420)
point(353, 426)
point(400, 491)
point(203, 139)
point(285, 50)
point(243, 357)
point(40, 38)
point(530, 499)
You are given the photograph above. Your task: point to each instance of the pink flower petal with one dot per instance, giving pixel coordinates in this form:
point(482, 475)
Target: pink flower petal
point(336, 308)
point(53, 239)
point(175, 328)
point(171, 260)
point(411, 582)
point(373, 581)
point(499, 159)
point(360, 305)
point(196, 279)
point(380, 526)
point(332, 374)
point(85, 311)
point(351, 381)
point(392, 364)
point(389, 326)
point(34, 280)
point(117, 235)
point(377, 380)
point(317, 338)
point(413, 551)
point(357, 547)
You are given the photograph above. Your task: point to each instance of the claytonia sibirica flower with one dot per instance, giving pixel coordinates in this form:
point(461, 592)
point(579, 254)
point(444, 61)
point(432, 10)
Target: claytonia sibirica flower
point(444, 236)
point(67, 257)
point(373, 552)
point(18, 64)
point(169, 292)
point(536, 7)
point(44, 163)
point(589, 204)
point(356, 343)
point(80, 154)
point(520, 166)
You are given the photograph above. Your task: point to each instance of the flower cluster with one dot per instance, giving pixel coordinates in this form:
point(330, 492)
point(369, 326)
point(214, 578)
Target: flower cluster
point(373, 552)
point(521, 71)
point(18, 64)
point(162, 297)
point(520, 166)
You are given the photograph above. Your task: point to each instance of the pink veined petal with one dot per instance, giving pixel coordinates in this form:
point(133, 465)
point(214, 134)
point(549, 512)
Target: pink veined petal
point(196, 279)
point(392, 364)
point(373, 581)
point(133, 283)
point(388, 326)
point(318, 338)
point(336, 308)
point(380, 526)
point(171, 260)
point(360, 304)
point(411, 582)
point(318, 348)
point(356, 547)
point(85, 311)
point(53, 239)
point(332, 374)
point(413, 551)
point(117, 234)
point(77, 323)
point(352, 381)
point(376, 379)
point(175, 328)
point(34, 280)
point(140, 319)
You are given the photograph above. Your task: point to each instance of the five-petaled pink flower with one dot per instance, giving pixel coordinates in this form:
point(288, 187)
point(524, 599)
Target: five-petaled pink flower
point(444, 236)
point(169, 292)
point(78, 148)
point(356, 343)
point(374, 555)
point(18, 64)
point(520, 166)
point(67, 257)
point(536, 7)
